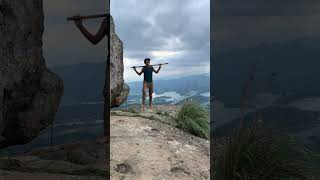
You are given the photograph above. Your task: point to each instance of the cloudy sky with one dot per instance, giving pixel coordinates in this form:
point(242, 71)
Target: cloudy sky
point(251, 22)
point(173, 31)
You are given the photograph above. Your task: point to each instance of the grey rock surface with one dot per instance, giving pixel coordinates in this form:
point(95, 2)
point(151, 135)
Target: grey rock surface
point(76, 161)
point(119, 90)
point(142, 148)
point(29, 92)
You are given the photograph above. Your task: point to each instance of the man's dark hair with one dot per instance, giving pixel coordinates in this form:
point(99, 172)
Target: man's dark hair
point(146, 59)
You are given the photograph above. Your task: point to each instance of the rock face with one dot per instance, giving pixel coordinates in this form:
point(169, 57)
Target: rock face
point(76, 161)
point(119, 90)
point(29, 92)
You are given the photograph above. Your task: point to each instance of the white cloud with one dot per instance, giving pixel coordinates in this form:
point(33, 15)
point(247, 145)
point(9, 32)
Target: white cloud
point(174, 31)
point(164, 54)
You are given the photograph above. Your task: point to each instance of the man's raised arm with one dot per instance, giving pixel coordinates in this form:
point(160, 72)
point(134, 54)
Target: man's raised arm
point(94, 39)
point(139, 73)
point(157, 71)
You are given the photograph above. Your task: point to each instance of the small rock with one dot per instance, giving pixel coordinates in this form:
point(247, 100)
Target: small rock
point(179, 170)
point(123, 168)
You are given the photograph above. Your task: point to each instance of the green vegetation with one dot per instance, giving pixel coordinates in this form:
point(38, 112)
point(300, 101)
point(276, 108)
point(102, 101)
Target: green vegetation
point(163, 113)
point(194, 119)
point(258, 153)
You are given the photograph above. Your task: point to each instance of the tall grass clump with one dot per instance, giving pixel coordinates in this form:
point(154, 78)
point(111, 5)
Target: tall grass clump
point(257, 153)
point(194, 119)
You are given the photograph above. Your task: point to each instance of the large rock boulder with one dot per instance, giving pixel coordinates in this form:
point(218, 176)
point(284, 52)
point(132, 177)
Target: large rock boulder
point(29, 92)
point(119, 90)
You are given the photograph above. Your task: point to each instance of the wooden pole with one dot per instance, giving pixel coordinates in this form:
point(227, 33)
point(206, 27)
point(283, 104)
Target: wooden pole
point(87, 17)
point(151, 65)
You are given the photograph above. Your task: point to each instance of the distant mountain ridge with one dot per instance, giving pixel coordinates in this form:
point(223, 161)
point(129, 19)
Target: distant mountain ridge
point(84, 83)
point(287, 71)
point(183, 85)
point(288, 68)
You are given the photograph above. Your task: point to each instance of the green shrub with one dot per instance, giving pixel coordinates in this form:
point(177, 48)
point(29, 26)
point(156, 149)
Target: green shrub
point(257, 153)
point(194, 119)
point(162, 113)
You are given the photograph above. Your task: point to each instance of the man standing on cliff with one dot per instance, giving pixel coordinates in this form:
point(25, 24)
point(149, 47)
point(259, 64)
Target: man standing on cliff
point(147, 71)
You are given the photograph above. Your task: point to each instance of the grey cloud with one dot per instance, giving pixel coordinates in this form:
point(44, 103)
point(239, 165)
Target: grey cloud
point(169, 18)
point(149, 25)
point(266, 7)
point(244, 31)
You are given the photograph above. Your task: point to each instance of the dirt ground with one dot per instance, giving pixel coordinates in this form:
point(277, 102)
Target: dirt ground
point(148, 149)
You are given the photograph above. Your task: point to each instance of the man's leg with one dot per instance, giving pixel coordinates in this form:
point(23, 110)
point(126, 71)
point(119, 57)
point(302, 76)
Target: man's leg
point(150, 95)
point(143, 95)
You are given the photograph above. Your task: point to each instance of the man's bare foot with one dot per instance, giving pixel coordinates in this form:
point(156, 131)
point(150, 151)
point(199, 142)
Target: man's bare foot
point(143, 109)
point(150, 109)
